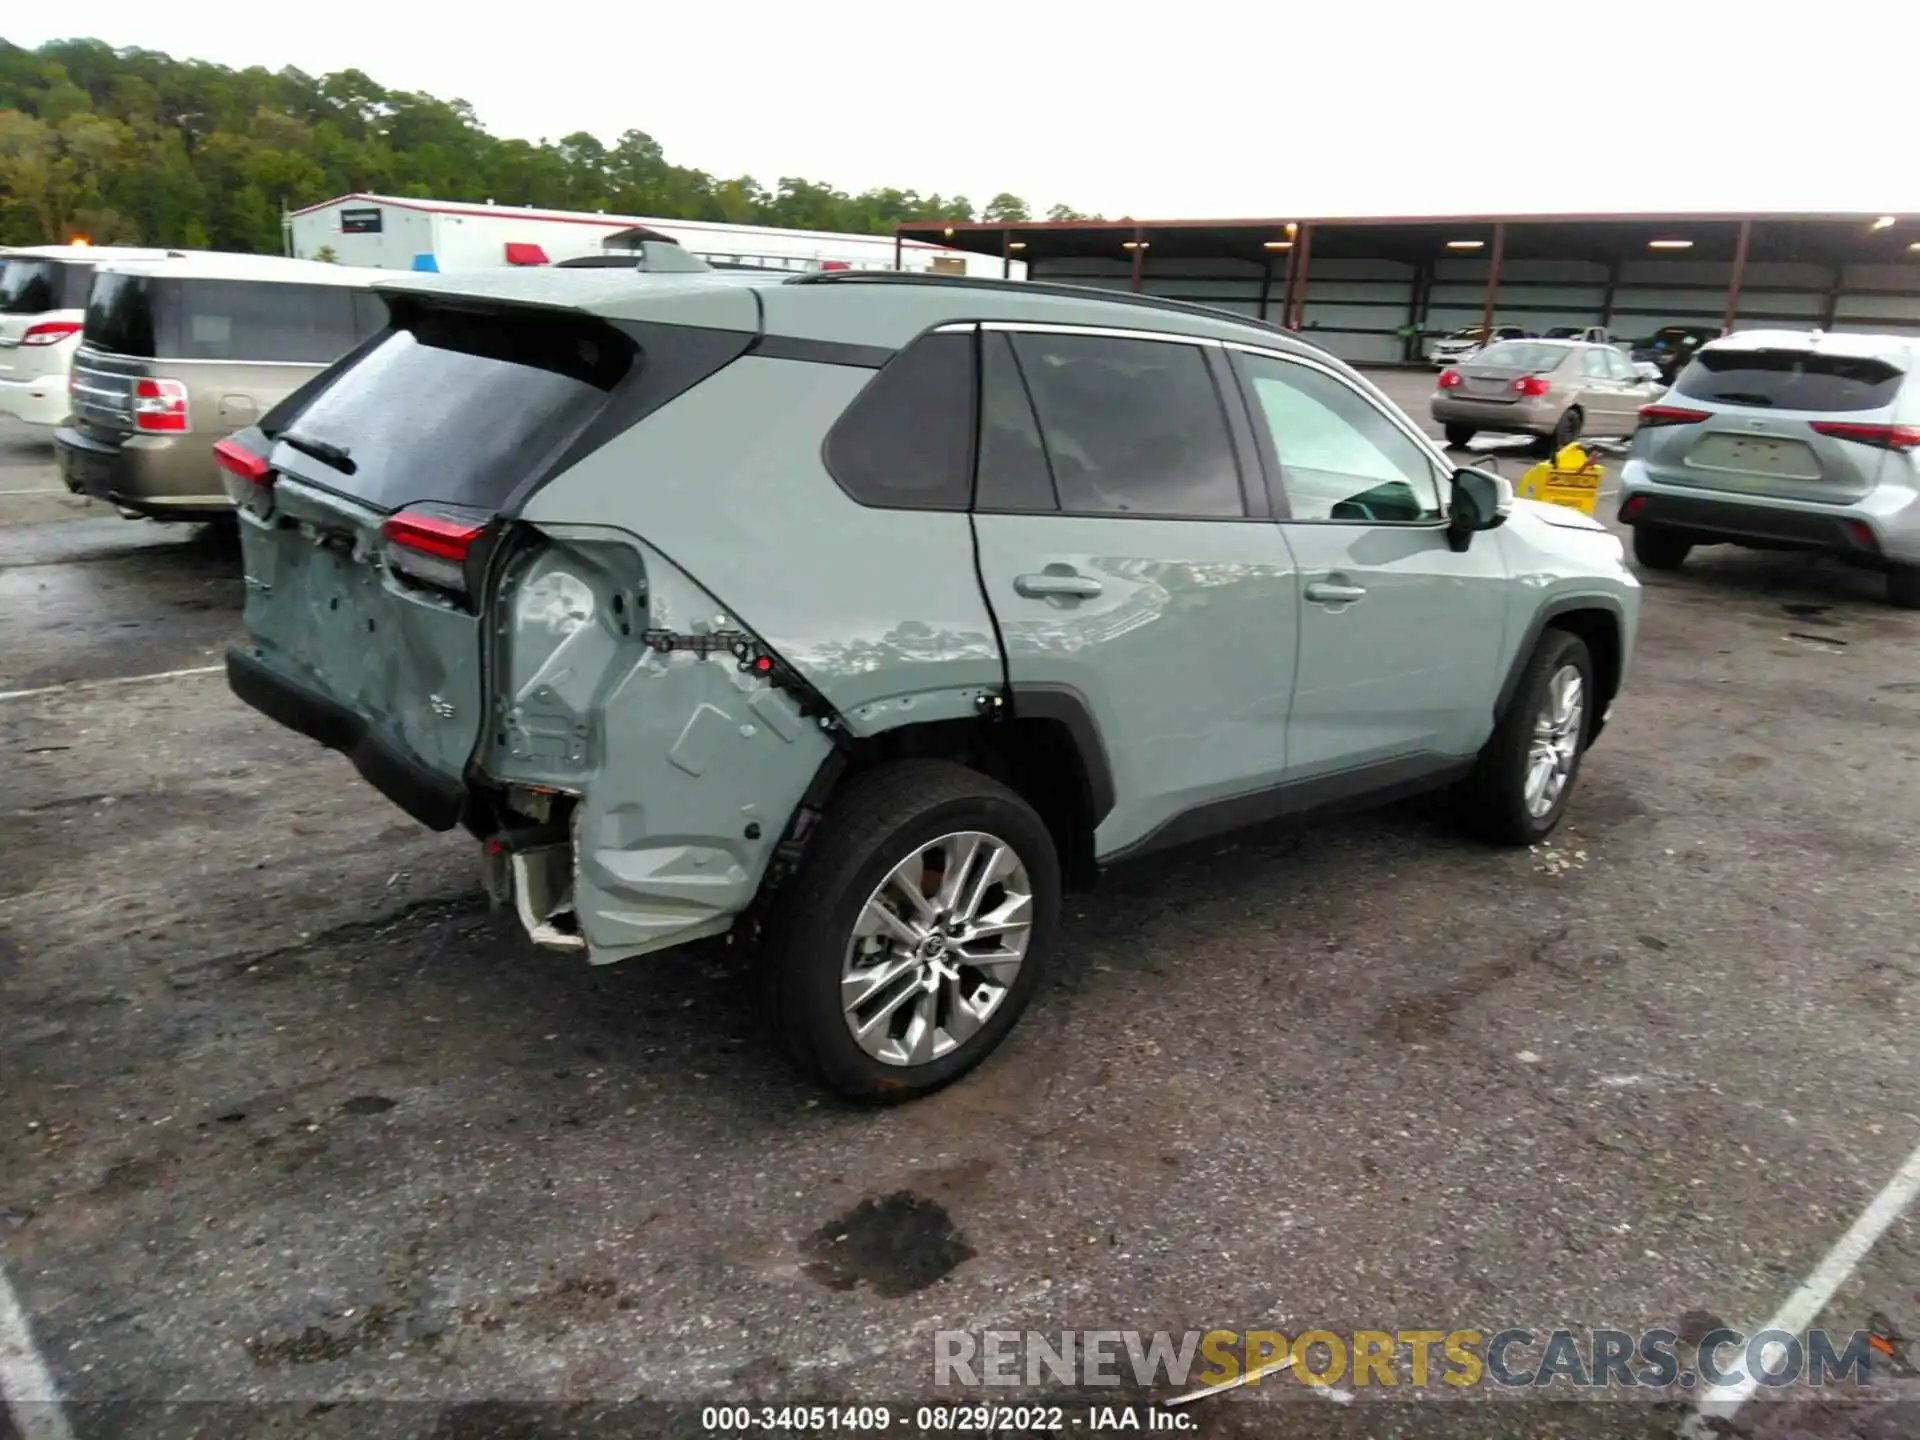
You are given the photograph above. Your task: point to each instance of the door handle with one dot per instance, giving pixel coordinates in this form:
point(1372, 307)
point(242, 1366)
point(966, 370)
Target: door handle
point(1038, 587)
point(1327, 592)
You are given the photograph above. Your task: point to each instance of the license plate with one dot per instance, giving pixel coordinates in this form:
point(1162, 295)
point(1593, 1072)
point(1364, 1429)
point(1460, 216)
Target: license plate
point(1756, 455)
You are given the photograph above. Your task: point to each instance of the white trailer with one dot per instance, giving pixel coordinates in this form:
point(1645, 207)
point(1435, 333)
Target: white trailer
point(398, 233)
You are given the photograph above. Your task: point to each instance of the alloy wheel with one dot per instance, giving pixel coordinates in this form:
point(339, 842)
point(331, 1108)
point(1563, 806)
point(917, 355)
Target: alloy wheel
point(936, 948)
point(1555, 747)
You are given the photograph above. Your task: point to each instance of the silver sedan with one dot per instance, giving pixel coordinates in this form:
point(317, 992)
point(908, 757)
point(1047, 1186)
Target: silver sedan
point(1555, 389)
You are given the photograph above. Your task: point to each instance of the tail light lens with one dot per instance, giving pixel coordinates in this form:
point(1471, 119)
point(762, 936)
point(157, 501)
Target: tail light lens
point(432, 547)
point(1881, 437)
point(1862, 534)
point(1530, 385)
point(247, 477)
point(1654, 416)
point(160, 405)
point(1451, 379)
point(1633, 506)
point(51, 332)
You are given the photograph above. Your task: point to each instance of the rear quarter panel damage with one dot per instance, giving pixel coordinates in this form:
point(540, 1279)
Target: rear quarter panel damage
point(871, 606)
point(687, 766)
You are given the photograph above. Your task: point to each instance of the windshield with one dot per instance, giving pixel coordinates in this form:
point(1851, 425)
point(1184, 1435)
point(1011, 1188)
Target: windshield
point(1672, 335)
point(1790, 380)
point(1472, 334)
point(1521, 355)
point(1562, 332)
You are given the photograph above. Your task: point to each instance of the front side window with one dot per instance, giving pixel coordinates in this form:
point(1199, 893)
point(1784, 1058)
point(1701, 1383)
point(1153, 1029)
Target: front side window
point(1621, 367)
point(1341, 458)
point(1131, 427)
point(1595, 364)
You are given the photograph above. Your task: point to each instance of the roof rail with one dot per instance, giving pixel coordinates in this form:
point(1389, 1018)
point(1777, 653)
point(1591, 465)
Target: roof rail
point(1032, 287)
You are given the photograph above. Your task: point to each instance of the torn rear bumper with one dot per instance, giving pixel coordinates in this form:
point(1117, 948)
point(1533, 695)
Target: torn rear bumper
point(433, 800)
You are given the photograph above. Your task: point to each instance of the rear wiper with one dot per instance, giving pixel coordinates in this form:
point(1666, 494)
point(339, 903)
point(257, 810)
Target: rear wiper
point(325, 451)
point(1741, 397)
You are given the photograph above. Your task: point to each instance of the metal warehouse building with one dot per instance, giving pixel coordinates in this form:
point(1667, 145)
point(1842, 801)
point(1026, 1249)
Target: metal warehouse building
point(1355, 285)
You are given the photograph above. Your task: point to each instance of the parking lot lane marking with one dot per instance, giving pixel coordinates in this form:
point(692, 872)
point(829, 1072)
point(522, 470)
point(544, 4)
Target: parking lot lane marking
point(115, 680)
point(26, 1389)
point(42, 490)
point(1803, 1307)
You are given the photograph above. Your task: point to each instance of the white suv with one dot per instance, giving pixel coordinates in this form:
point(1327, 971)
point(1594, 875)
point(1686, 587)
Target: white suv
point(43, 299)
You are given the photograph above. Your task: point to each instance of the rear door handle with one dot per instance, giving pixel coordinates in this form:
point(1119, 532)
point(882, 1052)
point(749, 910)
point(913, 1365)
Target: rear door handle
point(1038, 587)
point(1326, 592)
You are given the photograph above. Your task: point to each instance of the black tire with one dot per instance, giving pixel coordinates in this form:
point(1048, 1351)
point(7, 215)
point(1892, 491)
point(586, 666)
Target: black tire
point(1459, 435)
point(1568, 430)
point(1903, 586)
point(1656, 548)
point(1493, 799)
point(872, 823)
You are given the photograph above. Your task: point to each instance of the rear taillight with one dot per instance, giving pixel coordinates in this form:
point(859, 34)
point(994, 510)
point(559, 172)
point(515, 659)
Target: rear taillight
point(431, 549)
point(1881, 437)
point(1634, 504)
point(247, 477)
point(160, 405)
point(1530, 385)
point(50, 332)
point(1653, 416)
point(1862, 535)
point(1451, 379)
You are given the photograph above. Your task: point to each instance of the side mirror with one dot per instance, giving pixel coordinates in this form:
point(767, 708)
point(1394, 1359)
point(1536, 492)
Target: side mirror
point(1479, 502)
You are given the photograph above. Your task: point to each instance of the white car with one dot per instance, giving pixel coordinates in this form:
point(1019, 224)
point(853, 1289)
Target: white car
point(43, 300)
point(1465, 344)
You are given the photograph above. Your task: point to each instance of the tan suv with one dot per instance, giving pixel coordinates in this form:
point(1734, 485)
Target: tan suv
point(178, 353)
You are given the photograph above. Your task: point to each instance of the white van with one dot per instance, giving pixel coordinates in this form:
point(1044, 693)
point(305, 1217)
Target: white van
point(43, 298)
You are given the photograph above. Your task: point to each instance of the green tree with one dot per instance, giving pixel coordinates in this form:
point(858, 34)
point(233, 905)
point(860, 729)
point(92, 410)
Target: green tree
point(130, 144)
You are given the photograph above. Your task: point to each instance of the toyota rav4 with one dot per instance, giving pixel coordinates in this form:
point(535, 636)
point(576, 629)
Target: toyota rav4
point(871, 612)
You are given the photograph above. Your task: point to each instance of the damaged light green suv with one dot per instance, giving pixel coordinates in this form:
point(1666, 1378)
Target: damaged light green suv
point(873, 611)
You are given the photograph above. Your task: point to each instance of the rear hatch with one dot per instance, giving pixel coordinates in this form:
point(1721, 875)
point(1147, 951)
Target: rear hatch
point(376, 502)
point(1491, 375)
point(40, 307)
point(1783, 422)
point(116, 349)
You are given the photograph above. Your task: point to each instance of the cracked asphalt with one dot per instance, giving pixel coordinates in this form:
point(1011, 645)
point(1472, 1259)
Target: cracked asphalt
point(298, 1138)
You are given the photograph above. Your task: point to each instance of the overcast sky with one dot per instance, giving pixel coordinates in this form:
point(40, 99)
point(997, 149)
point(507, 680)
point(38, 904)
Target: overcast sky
point(1202, 108)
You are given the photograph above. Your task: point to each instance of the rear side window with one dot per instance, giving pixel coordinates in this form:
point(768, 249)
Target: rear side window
point(161, 317)
point(32, 287)
point(461, 407)
point(253, 320)
point(1790, 380)
point(906, 440)
point(1014, 474)
point(1131, 427)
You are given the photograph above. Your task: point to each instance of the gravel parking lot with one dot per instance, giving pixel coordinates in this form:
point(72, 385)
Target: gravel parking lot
point(288, 1118)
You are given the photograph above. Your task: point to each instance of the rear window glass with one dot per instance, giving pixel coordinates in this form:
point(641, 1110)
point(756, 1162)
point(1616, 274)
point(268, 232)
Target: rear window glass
point(119, 317)
point(1790, 380)
point(1518, 355)
point(173, 318)
point(33, 287)
point(461, 407)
